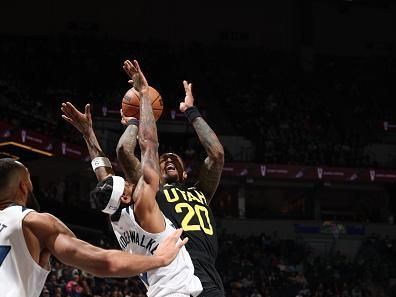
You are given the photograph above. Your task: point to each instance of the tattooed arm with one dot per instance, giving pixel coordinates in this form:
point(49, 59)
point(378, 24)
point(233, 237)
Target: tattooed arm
point(126, 151)
point(212, 168)
point(209, 176)
point(83, 123)
point(146, 208)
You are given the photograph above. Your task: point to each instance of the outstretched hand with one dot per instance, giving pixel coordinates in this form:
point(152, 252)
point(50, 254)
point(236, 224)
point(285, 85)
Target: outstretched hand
point(125, 119)
point(189, 99)
point(169, 248)
point(81, 121)
point(137, 78)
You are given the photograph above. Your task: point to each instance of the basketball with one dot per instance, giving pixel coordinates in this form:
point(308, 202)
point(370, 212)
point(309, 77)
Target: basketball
point(131, 102)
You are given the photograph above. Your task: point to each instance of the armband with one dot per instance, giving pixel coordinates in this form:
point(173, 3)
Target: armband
point(133, 122)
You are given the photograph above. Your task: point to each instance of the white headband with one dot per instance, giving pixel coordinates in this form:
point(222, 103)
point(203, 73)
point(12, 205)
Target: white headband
point(116, 193)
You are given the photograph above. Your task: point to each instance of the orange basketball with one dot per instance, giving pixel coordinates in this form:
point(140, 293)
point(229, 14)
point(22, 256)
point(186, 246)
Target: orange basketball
point(131, 102)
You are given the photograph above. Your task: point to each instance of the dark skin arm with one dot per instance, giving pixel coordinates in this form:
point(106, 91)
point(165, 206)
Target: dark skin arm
point(83, 123)
point(212, 168)
point(125, 148)
point(126, 151)
point(146, 208)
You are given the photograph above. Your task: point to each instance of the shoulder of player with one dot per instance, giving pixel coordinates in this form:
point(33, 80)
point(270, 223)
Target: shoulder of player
point(35, 216)
point(42, 222)
point(196, 187)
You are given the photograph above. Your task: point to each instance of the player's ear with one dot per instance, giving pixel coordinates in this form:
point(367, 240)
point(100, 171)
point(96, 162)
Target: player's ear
point(184, 175)
point(24, 187)
point(128, 193)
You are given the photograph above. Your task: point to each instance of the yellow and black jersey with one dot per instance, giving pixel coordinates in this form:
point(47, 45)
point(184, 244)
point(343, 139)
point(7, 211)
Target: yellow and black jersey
point(187, 207)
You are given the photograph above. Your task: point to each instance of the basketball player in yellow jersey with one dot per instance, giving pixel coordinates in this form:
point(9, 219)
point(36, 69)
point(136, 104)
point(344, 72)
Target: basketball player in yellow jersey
point(29, 238)
point(188, 207)
point(183, 206)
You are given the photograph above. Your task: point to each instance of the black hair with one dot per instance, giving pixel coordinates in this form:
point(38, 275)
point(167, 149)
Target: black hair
point(101, 196)
point(102, 192)
point(8, 167)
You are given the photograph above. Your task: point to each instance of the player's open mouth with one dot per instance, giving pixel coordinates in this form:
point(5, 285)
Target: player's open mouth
point(170, 166)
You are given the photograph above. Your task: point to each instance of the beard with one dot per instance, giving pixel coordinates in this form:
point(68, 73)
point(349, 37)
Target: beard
point(32, 202)
point(169, 179)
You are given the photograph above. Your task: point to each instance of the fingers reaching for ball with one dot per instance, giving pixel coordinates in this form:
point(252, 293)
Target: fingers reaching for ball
point(129, 68)
point(138, 80)
point(126, 120)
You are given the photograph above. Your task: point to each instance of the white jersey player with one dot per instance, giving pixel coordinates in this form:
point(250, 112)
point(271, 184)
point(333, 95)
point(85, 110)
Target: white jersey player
point(20, 275)
point(176, 277)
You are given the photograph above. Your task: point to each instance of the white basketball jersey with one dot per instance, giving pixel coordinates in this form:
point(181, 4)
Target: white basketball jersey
point(20, 275)
point(176, 278)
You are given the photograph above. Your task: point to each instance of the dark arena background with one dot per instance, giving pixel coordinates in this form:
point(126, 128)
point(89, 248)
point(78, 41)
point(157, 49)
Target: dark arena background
point(300, 92)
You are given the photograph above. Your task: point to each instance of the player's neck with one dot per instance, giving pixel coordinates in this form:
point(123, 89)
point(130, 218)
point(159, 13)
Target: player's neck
point(174, 183)
point(8, 199)
point(4, 203)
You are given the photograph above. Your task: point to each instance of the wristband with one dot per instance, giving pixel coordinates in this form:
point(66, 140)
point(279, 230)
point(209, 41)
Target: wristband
point(133, 122)
point(100, 162)
point(192, 113)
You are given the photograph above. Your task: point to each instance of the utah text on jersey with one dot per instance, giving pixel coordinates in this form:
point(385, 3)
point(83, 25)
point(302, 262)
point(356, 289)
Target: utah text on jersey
point(193, 204)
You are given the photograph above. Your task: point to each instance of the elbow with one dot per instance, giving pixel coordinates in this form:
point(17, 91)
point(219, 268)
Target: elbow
point(101, 264)
point(218, 155)
point(147, 143)
point(108, 268)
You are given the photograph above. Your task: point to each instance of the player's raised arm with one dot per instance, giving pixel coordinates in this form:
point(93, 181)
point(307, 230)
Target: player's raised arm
point(127, 143)
point(60, 241)
point(146, 207)
point(83, 123)
point(148, 138)
point(212, 168)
